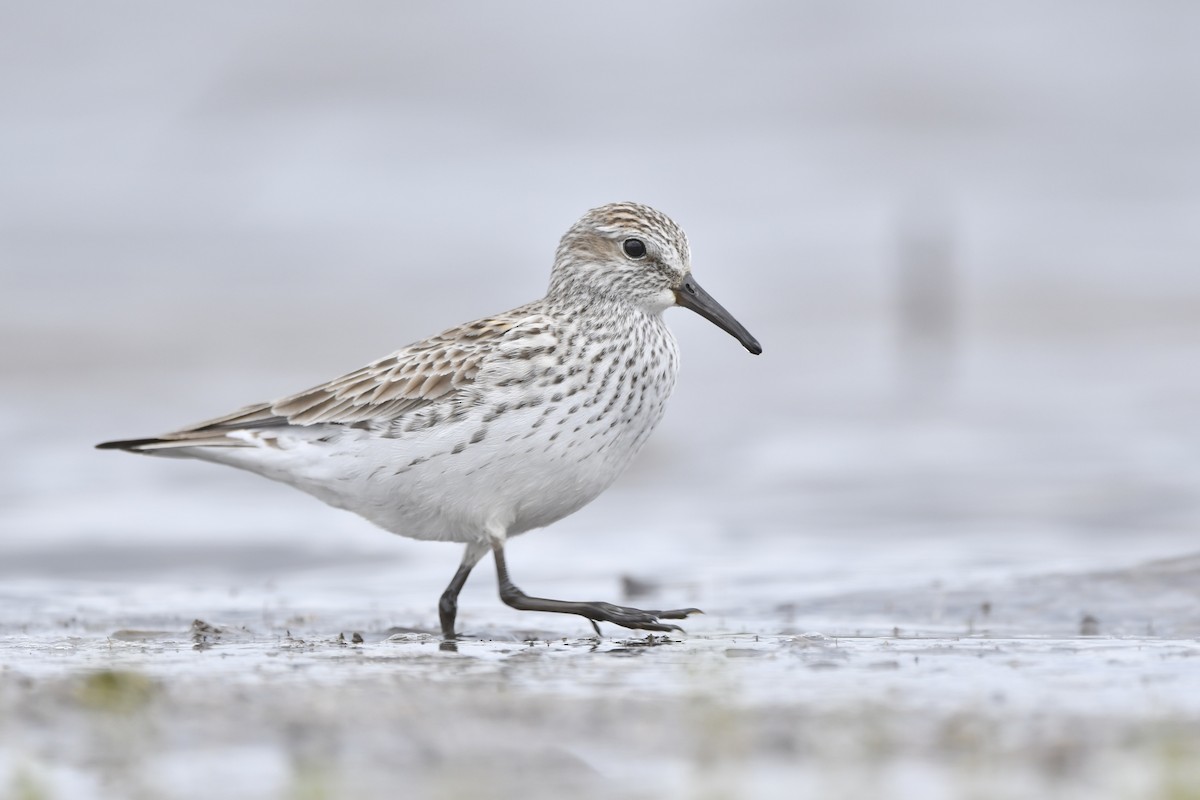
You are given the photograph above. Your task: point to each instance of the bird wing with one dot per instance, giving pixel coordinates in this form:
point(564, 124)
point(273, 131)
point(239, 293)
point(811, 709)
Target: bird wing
point(432, 370)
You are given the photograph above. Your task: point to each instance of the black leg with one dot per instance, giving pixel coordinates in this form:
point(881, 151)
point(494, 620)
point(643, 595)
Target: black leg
point(624, 616)
point(448, 603)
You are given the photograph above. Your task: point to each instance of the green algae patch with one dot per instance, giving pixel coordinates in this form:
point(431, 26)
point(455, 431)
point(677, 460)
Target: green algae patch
point(116, 691)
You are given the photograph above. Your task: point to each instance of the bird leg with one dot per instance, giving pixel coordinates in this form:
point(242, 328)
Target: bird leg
point(624, 616)
point(448, 603)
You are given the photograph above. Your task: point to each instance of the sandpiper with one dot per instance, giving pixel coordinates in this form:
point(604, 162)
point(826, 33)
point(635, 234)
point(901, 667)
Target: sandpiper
point(498, 426)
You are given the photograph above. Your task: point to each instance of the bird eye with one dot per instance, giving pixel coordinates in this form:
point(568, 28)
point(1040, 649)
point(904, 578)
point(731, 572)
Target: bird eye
point(634, 248)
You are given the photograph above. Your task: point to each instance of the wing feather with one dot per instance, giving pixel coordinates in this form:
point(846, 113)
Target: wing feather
point(430, 371)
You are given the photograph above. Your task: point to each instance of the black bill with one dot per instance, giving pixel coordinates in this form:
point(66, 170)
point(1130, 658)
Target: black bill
point(691, 295)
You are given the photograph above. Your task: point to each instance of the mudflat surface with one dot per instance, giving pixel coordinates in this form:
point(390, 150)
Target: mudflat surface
point(326, 683)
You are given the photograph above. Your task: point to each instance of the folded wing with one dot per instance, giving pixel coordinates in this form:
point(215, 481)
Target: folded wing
point(429, 371)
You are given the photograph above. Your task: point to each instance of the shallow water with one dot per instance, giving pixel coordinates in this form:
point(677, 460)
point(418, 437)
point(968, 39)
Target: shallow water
point(327, 680)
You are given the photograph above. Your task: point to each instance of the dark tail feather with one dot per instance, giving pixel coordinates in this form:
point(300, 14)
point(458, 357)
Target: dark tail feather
point(207, 434)
point(173, 444)
point(127, 444)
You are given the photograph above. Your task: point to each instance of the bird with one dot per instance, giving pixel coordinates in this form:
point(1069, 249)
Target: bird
point(495, 427)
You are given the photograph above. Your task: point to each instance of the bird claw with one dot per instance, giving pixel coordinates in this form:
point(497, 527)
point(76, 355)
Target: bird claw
point(637, 618)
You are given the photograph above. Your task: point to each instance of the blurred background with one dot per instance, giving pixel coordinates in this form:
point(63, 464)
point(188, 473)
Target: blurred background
point(967, 237)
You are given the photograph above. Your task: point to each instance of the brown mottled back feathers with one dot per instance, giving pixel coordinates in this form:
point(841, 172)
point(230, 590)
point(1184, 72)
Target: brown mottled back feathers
point(422, 373)
point(416, 376)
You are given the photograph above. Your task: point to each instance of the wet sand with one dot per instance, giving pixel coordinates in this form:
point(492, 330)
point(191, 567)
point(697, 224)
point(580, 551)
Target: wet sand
point(301, 688)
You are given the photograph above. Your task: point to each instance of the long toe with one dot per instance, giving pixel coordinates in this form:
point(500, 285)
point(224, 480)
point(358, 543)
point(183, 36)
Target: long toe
point(676, 613)
point(661, 627)
point(635, 618)
point(648, 624)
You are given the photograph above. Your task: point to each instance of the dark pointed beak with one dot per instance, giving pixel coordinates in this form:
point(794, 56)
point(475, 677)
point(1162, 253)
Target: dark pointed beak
point(691, 295)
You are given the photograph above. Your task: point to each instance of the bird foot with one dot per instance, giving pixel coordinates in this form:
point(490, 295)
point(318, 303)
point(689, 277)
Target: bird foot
point(634, 618)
